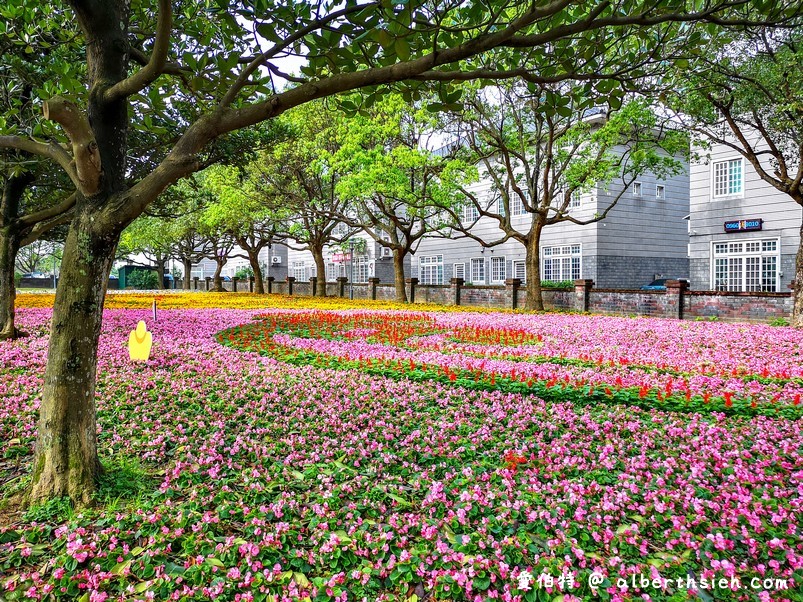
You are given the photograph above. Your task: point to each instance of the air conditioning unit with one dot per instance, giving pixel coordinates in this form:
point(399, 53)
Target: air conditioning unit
point(387, 252)
point(275, 260)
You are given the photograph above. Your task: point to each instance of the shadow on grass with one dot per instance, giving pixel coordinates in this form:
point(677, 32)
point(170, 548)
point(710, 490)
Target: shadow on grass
point(124, 482)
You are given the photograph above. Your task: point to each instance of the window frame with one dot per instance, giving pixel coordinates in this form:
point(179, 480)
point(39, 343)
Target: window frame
point(477, 261)
point(742, 254)
point(495, 259)
point(426, 265)
point(558, 254)
point(712, 179)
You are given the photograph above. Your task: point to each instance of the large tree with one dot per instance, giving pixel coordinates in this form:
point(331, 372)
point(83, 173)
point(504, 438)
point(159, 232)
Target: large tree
point(223, 64)
point(544, 146)
point(394, 187)
point(744, 93)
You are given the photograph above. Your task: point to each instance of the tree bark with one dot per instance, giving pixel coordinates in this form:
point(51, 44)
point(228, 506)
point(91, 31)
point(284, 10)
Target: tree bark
point(218, 286)
point(398, 275)
point(66, 461)
point(9, 245)
point(187, 271)
point(320, 271)
point(797, 290)
point(253, 260)
point(532, 258)
point(161, 265)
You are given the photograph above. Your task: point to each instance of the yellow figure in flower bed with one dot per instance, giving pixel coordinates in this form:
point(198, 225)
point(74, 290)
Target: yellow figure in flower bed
point(140, 342)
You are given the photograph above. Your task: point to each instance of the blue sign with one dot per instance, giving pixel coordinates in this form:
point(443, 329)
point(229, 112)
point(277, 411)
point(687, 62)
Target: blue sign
point(744, 225)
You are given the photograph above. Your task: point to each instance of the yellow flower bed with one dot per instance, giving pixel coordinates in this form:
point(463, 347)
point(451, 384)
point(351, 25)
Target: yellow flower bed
point(239, 301)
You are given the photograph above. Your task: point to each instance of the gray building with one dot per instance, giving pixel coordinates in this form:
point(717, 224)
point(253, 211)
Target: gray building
point(644, 237)
point(743, 233)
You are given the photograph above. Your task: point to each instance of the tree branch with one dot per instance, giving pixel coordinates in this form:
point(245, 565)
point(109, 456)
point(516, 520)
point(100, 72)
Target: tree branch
point(44, 226)
point(51, 151)
point(156, 65)
point(49, 213)
point(86, 155)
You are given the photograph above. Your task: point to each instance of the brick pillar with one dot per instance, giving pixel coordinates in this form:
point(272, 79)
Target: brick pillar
point(676, 293)
point(373, 282)
point(234, 282)
point(313, 284)
point(512, 292)
point(270, 284)
point(413, 282)
point(341, 286)
point(290, 281)
point(457, 285)
point(250, 284)
point(207, 279)
point(195, 281)
point(582, 294)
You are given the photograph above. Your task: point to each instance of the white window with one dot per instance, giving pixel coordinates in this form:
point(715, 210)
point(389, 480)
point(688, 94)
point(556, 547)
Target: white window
point(430, 269)
point(300, 271)
point(499, 205)
point(498, 271)
point(516, 204)
point(574, 201)
point(459, 270)
point(728, 178)
point(340, 230)
point(637, 189)
point(660, 192)
point(561, 263)
point(745, 266)
point(361, 269)
point(470, 212)
point(520, 270)
point(478, 271)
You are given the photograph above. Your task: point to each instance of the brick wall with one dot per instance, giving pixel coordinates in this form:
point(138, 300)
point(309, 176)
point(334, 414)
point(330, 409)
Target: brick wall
point(625, 303)
point(759, 307)
point(738, 307)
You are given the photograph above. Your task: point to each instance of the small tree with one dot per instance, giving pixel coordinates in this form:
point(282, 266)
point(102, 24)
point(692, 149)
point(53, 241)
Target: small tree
point(393, 187)
point(239, 211)
point(298, 178)
point(154, 239)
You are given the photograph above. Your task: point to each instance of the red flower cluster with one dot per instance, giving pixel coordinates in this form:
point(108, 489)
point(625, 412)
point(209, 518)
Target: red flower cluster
point(512, 460)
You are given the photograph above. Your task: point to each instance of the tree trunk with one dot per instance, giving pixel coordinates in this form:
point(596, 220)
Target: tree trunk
point(160, 273)
point(66, 461)
point(9, 245)
point(535, 298)
point(320, 271)
point(218, 286)
point(187, 263)
point(398, 275)
point(797, 290)
point(253, 260)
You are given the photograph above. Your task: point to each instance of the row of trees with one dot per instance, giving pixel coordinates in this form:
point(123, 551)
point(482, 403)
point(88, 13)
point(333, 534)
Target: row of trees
point(387, 173)
point(147, 106)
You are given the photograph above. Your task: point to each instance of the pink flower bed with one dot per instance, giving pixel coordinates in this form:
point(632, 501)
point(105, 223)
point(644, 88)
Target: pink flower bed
point(266, 481)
